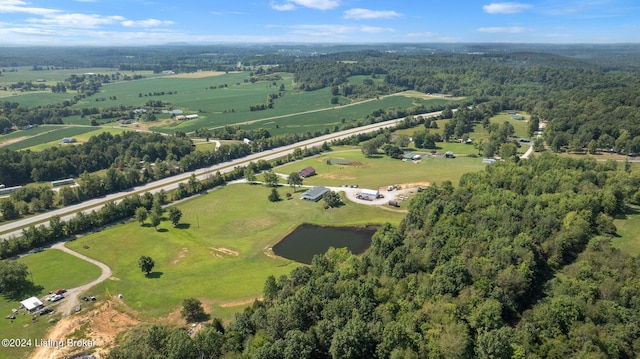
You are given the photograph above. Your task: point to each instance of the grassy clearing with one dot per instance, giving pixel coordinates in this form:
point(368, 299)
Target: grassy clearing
point(217, 254)
point(629, 238)
point(51, 269)
point(382, 171)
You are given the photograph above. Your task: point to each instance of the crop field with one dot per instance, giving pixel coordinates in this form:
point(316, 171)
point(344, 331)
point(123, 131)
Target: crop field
point(219, 253)
point(50, 77)
point(319, 120)
point(80, 138)
point(50, 270)
point(381, 171)
point(54, 135)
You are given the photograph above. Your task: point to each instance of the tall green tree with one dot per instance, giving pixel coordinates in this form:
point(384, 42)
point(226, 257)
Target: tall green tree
point(13, 277)
point(270, 178)
point(141, 215)
point(192, 310)
point(294, 180)
point(146, 264)
point(174, 215)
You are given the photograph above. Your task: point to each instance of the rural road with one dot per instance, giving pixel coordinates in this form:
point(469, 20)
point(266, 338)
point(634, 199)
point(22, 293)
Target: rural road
point(14, 229)
point(71, 296)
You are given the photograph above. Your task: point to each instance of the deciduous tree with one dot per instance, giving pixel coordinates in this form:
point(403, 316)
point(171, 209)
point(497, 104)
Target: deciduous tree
point(146, 264)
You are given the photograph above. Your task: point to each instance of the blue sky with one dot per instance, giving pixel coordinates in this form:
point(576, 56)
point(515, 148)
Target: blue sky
point(150, 22)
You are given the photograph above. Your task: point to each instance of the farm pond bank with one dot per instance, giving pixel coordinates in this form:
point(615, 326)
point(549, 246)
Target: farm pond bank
point(308, 240)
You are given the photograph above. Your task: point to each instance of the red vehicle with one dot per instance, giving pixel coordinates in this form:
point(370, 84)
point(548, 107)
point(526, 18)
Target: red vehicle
point(60, 291)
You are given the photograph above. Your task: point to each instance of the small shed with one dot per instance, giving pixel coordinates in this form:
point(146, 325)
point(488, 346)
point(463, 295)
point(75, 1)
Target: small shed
point(31, 304)
point(488, 160)
point(307, 172)
point(370, 193)
point(314, 194)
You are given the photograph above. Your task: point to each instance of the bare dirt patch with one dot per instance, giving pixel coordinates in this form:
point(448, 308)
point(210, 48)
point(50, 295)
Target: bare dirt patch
point(13, 140)
point(221, 250)
point(197, 75)
point(181, 255)
point(239, 303)
point(101, 325)
point(114, 278)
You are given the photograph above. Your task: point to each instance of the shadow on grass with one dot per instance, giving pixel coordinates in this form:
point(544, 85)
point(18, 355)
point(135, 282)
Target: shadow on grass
point(162, 230)
point(154, 275)
point(629, 210)
point(28, 290)
point(183, 225)
point(146, 225)
point(200, 317)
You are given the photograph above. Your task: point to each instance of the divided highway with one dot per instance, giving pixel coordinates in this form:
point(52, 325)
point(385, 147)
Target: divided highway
point(15, 228)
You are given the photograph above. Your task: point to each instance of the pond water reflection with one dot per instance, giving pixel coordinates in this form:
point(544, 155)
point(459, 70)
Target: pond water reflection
point(308, 240)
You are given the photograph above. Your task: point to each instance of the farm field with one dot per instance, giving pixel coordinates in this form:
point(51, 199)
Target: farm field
point(51, 269)
point(381, 171)
point(318, 121)
point(80, 137)
point(48, 138)
point(219, 252)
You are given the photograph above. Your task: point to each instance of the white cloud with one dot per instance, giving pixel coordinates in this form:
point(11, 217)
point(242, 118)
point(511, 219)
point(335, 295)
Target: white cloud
point(360, 14)
point(77, 20)
point(312, 4)
point(146, 23)
point(283, 7)
point(375, 30)
point(18, 6)
point(507, 30)
point(506, 8)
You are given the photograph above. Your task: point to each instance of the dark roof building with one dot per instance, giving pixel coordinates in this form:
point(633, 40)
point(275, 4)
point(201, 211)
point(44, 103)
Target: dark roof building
point(315, 193)
point(307, 172)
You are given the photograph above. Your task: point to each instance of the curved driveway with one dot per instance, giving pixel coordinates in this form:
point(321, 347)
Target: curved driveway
point(72, 294)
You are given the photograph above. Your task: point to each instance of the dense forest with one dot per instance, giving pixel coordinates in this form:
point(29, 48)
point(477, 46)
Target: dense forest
point(515, 262)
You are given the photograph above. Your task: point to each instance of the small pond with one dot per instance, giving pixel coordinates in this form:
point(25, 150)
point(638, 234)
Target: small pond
point(308, 240)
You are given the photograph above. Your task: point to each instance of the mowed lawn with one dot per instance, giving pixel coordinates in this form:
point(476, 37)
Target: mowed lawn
point(629, 238)
point(50, 270)
point(218, 254)
point(381, 171)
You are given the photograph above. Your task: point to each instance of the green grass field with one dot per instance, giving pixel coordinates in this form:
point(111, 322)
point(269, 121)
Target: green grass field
point(629, 238)
point(50, 269)
point(217, 254)
point(382, 171)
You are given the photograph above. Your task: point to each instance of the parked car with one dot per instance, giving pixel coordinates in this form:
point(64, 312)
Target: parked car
point(86, 299)
point(92, 297)
point(55, 297)
point(45, 311)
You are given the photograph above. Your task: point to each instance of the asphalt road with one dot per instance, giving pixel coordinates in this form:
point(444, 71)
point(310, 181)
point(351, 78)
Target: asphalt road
point(14, 229)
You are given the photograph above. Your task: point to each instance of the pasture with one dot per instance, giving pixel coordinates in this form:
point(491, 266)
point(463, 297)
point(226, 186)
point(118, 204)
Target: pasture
point(219, 253)
point(381, 171)
point(50, 270)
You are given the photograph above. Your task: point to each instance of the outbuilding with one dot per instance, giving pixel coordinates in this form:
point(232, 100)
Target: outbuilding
point(307, 172)
point(31, 304)
point(370, 194)
point(314, 194)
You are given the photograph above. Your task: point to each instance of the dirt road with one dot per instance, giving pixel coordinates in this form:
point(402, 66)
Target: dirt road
point(71, 296)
